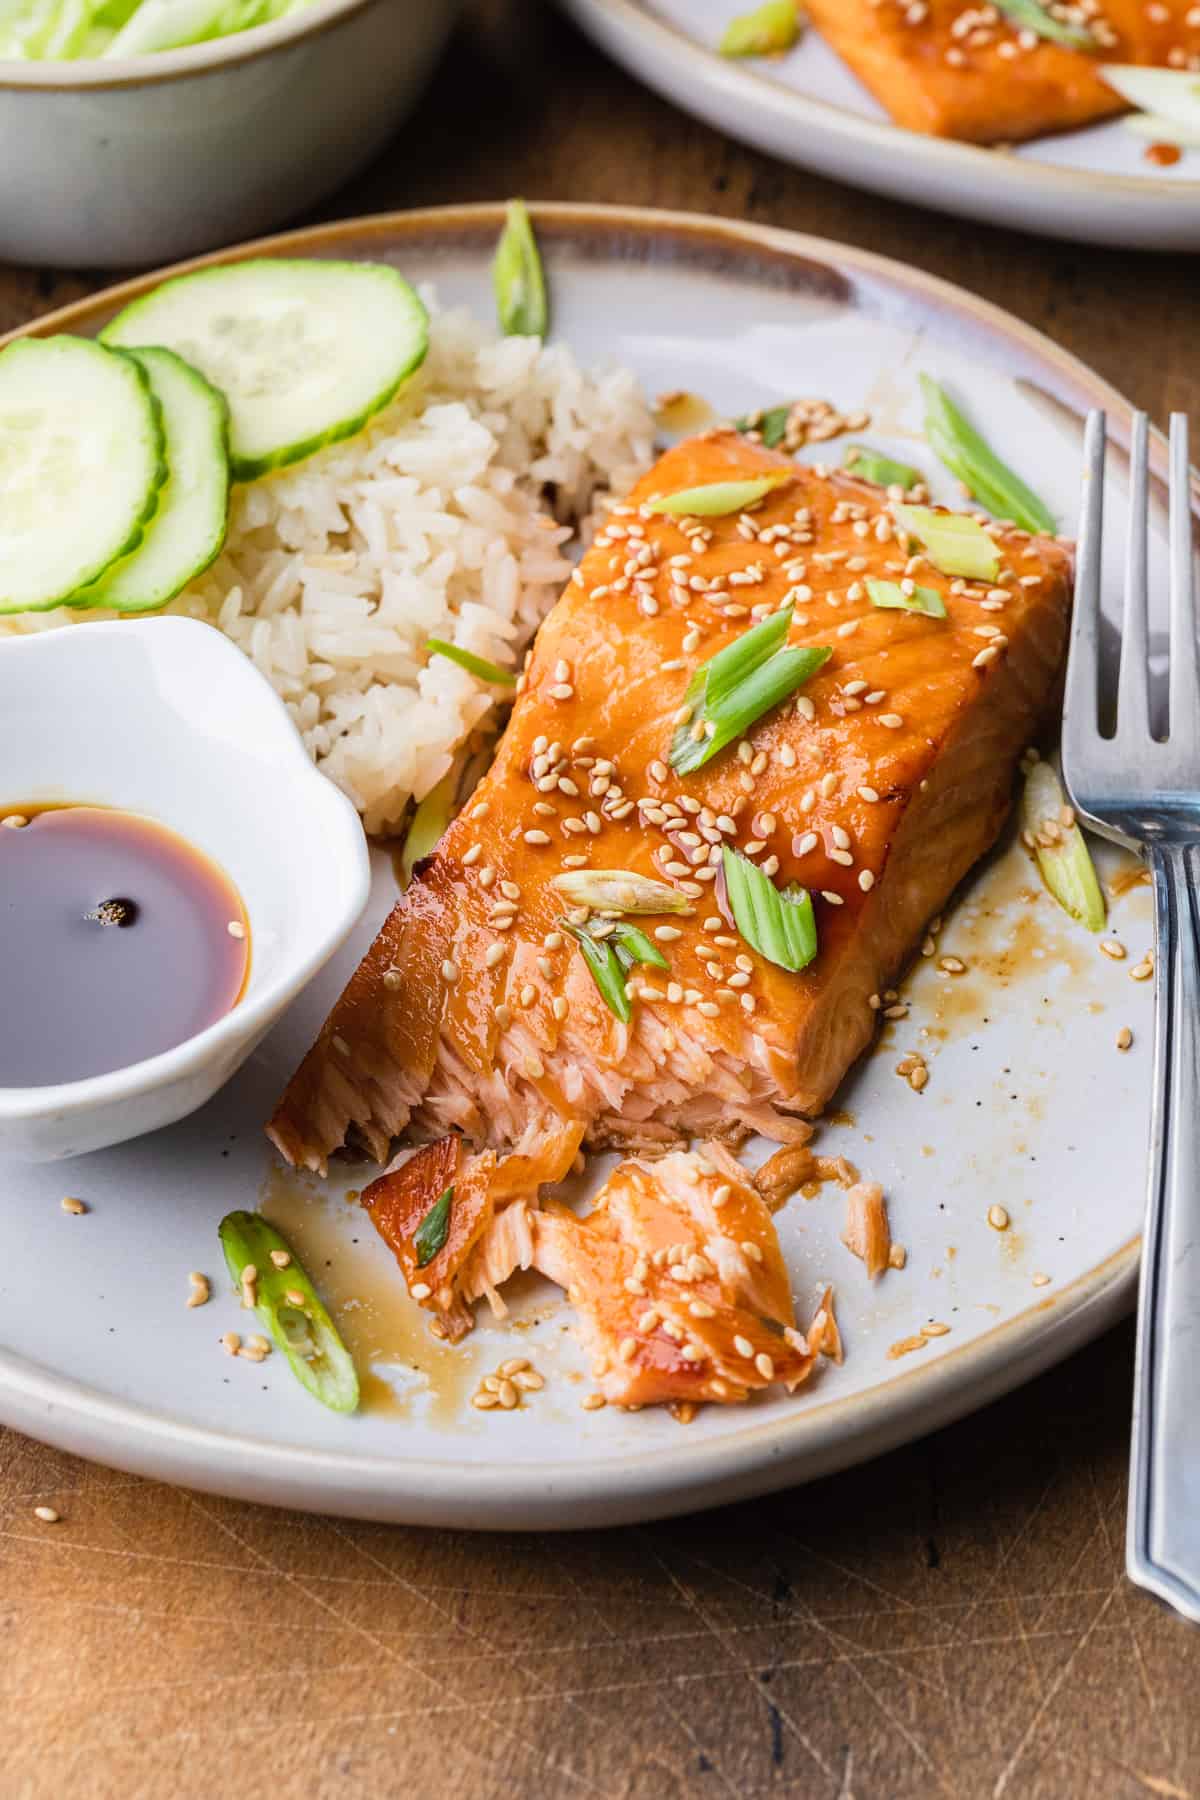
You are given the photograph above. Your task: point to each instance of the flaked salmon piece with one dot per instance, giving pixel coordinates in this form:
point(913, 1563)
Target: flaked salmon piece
point(876, 788)
point(488, 1233)
point(958, 71)
point(679, 1283)
point(866, 1231)
point(824, 1338)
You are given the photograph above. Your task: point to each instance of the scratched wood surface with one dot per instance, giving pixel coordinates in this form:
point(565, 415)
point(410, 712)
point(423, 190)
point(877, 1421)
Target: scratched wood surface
point(950, 1620)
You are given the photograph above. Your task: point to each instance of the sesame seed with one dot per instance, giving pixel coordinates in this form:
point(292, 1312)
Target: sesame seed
point(866, 880)
point(281, 1258)
point(46, 1514)
point(1124, 1038)
point(420, 1290)
point(535, 838)
point(236, 929)
point(449, 972)
point(765, 1365)
point(1041, 1280)
point(593, 1402)
point(70, 1204)
point(230, 1343)
point(1111, 947)
point(997, 1218)
point(893, 721)
point(744, 1347)
point(1142, 971)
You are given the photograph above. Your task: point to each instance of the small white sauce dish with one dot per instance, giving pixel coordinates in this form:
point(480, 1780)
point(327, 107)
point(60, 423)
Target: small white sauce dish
point(166, 718)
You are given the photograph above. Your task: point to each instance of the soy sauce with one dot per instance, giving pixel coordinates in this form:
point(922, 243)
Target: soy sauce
point(118, 940)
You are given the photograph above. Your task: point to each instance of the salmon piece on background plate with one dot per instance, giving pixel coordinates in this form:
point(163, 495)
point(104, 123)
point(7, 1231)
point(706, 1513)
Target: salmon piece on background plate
point(959, 70)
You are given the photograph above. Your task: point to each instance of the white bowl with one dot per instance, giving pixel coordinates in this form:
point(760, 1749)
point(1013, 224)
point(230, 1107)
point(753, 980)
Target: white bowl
point(165, 717)
point(144, 159)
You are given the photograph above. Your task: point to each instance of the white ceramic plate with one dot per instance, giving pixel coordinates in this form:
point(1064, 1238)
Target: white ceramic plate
point(1094, 186)
point(1029, 1104)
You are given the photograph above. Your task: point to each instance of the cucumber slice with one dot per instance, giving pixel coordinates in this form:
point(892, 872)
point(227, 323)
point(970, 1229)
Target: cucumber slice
point(188, 529)
point(304, 352)
point(81, 464)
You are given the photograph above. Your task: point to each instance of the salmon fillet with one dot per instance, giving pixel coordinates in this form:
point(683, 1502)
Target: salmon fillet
point(959, 70)
point(877, 788)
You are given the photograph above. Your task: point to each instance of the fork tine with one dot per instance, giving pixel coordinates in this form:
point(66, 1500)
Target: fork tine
point(1185, 675)
point(1133, 692)
point(1081, 702)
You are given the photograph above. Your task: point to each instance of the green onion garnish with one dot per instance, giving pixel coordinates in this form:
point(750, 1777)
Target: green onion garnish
point(431, 1234)
point(620, 890)
point(739, 685)
point(301, 1328)
point(716, 499)
point(1062, 856)
point(1169, 100)
point(1033, 17)
point(873, 467)
point(518, 278)
point(891, 596)
point(610, 959)
point(976, 464)
point(954, 542)
point(768, 30)
point(771, 425)
point(429, 821)
point(780, 926)
point(474, 665)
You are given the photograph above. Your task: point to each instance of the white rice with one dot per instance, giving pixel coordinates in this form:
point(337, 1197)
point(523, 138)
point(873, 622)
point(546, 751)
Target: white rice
point(430, 523)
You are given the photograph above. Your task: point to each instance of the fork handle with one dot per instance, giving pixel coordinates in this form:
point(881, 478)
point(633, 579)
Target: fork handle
point(1163, 1538)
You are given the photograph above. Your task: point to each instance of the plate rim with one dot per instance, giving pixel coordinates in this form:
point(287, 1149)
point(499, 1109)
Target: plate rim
point(776, 1451)
point(744, 85)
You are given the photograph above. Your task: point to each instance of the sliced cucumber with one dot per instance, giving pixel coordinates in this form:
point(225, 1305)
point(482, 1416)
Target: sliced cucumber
point(188, 529)
point(81, 464)
point(304, 352)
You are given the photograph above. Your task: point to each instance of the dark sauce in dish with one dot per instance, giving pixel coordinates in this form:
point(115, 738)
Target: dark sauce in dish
point(115, 942)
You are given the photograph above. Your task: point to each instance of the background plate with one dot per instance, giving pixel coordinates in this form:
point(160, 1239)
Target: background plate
point(1028, 1105)
point(1094, 186)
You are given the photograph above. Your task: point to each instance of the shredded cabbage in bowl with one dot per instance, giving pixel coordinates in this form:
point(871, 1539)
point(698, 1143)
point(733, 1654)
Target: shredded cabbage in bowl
point(72, 30)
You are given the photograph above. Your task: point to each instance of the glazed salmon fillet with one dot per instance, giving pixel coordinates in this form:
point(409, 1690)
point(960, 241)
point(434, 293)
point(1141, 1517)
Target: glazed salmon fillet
point(958, 70)
point(876, 787)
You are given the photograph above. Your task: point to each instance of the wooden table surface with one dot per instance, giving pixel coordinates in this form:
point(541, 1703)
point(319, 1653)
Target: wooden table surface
point(952, 1619)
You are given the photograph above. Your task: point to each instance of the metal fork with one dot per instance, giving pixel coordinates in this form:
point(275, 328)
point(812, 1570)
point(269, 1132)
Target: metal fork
point(1147, 789)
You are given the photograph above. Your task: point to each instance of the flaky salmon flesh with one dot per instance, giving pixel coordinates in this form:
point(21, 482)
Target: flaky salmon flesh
point(676, 1272)
point(876, 788)
point(960, 70)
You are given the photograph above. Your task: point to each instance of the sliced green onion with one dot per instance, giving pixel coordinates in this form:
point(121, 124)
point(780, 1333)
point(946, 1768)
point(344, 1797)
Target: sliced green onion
point(428, 822)
point(771, 426)
point(890, 596)
point(302, 1330)
point(768, 30)
point(474, 665)
point(1033, 17)
point(620, 890)
point(756, 695)
point(431, 1234)
point(976, 464)
point(719, 498)
point(872, 466)
point(780, 926)
point(731, 666)
point(955, 543)
point(607, 970)
point(1168, 101)
point(518, 277)
point(633, 946)
point(1062, 856)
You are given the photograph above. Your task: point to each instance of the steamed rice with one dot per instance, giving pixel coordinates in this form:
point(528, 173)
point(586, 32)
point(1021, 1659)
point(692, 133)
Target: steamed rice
point(433, 522)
